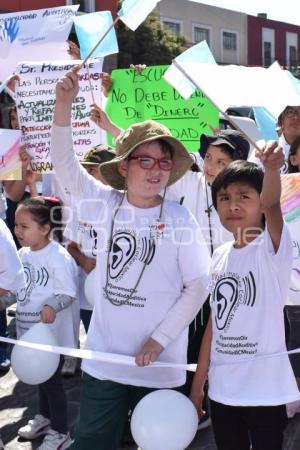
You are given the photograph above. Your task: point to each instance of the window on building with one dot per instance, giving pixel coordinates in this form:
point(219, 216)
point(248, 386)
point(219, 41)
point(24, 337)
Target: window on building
point(201, 34)
point(267, 54)
point(229, 40)
point(172, 26)
point(293, 55)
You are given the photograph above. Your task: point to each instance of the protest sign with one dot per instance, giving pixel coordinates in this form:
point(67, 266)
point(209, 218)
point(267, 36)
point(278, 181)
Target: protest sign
point(30, 35)
point(290, 205)
point(137, 97)
point(35, 100)
point(10, 163)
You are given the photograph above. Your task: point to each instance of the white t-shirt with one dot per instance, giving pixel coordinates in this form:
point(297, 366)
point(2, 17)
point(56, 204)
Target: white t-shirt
point(11, 269)
point(176, 254)
point(248, 290)
point(86, 238)
point(193, 192)
point(48, 272)
point(285, 147)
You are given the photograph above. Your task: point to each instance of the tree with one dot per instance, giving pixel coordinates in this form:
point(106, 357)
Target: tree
point(150, 44)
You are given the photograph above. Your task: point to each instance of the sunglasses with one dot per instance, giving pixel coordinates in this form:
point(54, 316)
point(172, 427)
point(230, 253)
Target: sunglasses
point(148, 162)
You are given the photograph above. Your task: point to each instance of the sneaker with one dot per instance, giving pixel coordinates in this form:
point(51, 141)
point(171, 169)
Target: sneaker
point(4, 367)
point(36, 427)
point(204, 422)
point(69, 367)
point(55, 441)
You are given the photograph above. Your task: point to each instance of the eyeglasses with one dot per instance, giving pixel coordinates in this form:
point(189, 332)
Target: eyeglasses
point(148, 162)
point(291, 112)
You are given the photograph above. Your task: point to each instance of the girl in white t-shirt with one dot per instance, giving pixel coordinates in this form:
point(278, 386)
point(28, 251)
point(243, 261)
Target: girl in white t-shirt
point(48, 295)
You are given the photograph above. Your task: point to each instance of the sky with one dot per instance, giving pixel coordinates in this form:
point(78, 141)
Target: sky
point(285, 11)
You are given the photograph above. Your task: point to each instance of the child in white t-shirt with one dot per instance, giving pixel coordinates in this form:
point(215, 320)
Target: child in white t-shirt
point(147, 291)
point(49, 292)
point(193, 191)
point(249, 284)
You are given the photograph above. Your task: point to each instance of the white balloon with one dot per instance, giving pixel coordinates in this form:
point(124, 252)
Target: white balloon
point(35, 366)
point(164, 420)
point(89, 287)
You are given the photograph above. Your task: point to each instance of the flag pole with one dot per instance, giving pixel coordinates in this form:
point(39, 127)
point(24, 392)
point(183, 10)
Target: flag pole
point(227, 117)
point(99, 42)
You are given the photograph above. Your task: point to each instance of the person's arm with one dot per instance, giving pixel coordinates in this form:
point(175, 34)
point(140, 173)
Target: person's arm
point(103, 121)
point(177, 319)
point(88, 264)
point(54, 305)
point(6, 299)
point(15, 189)
point(200, 377)
point(272, 158)
point(68, 170)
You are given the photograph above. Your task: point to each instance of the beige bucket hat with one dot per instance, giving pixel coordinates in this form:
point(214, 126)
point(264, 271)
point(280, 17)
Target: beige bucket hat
point(141, 133)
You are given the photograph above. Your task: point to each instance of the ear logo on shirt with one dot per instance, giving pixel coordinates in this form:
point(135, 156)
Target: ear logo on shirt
point(127, 248)
point(229, 293)
point(24, 294)
point(93, 235)
point(42, 276)
point(122, 251)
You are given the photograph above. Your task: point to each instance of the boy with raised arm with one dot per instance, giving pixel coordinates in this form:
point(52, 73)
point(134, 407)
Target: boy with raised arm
point(249, 284)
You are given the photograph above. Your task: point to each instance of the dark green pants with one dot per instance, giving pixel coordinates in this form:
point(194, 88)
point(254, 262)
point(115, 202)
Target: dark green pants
point(103, 412)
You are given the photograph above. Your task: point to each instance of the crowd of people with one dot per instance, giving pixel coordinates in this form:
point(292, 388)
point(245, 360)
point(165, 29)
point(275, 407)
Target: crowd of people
point(192, 263)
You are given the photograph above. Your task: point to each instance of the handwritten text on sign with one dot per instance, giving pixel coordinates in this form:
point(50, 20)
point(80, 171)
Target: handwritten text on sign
point(137, 97)
point(35, 99)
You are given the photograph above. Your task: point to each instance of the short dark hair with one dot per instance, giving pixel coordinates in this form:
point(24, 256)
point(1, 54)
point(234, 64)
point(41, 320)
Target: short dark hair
point(293, 150)
point(238, 172)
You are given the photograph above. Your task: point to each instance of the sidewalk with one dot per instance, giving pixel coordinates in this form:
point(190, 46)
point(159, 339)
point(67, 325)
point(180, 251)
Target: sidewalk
point(18, 404)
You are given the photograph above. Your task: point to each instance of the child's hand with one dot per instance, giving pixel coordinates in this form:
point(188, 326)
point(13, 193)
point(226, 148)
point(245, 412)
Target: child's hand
point(48, 314)
point(24, 157)
point(106, 83)
point(67, 87)
point(100, 117)
point(148, 353)
point(271, 156)
point(12, 82)
point(73, 50)
point(88, 264)
point(197, 399)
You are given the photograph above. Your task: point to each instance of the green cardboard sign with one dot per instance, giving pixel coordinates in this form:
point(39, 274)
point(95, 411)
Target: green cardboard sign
point(137, 97)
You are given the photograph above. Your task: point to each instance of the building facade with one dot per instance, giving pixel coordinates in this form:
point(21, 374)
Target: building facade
point(225, 31)
point(234, 37)
point(270, 40)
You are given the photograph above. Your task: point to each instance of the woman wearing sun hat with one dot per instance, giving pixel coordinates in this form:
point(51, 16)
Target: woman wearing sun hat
point(152, 272)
